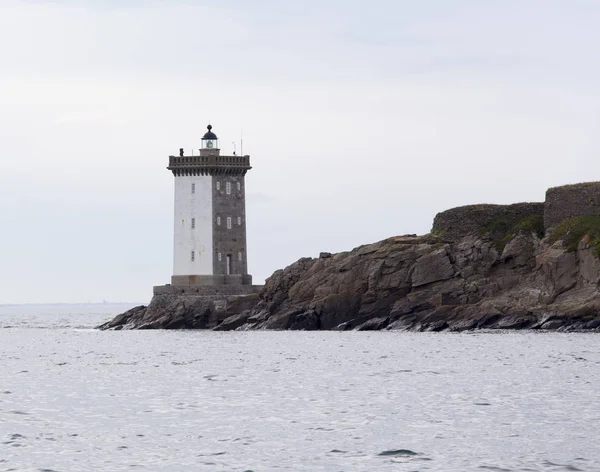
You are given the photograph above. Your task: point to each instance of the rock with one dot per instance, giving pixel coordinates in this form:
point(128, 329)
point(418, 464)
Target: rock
point(515, 322)
point(558, 268)
point(373, 324)
point(519, 250)
point(464, 324)
point(406, 323)
point(593, 324)
point(233, 322)
point(553, 324)
point(589, 264)
point(307, 321)
point(183, 312)
point(280, 320)
point(124, 319)
point(435, 326)
point(458, 278)
point(432, 267)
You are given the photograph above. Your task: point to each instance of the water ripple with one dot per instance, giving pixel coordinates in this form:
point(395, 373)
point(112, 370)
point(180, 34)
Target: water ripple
point(308, 402)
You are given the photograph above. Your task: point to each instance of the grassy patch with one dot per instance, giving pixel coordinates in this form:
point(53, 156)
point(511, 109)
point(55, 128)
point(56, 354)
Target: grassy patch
point(437, 233)
point(501, 229)
point(573, 230)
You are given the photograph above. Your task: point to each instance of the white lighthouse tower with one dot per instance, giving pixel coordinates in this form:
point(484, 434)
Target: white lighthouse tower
point(209, 239)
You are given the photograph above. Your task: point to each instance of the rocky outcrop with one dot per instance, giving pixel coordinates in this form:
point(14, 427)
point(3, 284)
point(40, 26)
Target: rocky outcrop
point(183, 311)
point(427, 284)
point(483, 266)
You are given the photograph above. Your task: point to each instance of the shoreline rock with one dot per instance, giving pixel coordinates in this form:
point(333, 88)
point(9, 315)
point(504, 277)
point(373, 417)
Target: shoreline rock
point(415, 283)
point(420, 284)
point(481, 267)
point(182, 312)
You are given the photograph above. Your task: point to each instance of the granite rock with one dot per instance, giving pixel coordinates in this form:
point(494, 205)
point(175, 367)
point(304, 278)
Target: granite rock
point(187, 312)
point(425, 283)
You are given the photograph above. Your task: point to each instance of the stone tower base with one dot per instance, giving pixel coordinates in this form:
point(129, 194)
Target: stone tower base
point(205, 290)
point(198, 307)
point(216, 280)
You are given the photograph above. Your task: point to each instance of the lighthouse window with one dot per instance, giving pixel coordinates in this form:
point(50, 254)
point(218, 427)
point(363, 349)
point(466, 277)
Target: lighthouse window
point(193, 188)
point(239, 256)
point(193, 256)
point(193, 223)
point(229, 222)
point(218, 221)
point(219, 257)
point(228, 188)
point(239, 220)
point(239, 186)
point(218, 185)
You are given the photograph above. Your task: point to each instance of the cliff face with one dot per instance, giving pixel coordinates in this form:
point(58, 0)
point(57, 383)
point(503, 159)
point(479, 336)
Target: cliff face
point(427, 284)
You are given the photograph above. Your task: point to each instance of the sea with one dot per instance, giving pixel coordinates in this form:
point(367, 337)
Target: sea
point(73, 398)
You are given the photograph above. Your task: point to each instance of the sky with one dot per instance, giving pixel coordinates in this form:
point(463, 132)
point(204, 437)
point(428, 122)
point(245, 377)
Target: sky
point(362, 119)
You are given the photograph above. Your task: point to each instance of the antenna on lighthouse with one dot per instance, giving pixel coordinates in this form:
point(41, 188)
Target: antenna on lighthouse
point(241, 143)
point(233, 147)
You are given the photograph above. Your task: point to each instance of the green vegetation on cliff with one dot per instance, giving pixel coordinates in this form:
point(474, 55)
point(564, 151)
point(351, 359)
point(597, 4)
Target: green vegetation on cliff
point(573, 230)
point(501, 229)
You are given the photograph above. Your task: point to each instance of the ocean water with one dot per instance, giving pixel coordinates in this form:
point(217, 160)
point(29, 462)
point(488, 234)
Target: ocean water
point(76, 399)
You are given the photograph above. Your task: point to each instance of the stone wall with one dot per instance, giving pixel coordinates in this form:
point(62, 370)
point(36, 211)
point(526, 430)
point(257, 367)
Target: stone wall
point(229, 241)
point(571, 200)
point(206, 290)
point(195, 280)
point(458, 222)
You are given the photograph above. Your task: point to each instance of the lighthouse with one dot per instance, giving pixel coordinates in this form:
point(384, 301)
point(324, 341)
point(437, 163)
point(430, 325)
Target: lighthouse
point(209, 234)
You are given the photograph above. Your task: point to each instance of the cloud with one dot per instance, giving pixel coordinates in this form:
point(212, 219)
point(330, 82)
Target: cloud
point(361, 123)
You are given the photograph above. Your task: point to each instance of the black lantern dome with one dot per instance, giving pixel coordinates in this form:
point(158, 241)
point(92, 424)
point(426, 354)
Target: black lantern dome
point(209, 134)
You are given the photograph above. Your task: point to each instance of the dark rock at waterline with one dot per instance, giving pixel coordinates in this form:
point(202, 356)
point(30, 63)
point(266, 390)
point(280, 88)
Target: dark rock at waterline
point(183, 312)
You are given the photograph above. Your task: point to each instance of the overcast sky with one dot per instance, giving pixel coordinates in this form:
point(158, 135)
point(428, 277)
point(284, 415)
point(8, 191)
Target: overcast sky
point(362, 119)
